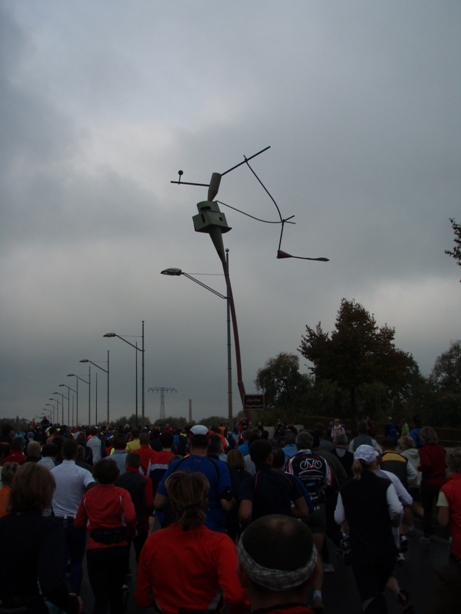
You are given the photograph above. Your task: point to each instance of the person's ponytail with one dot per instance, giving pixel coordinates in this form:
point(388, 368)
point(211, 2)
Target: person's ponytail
point(188, 494)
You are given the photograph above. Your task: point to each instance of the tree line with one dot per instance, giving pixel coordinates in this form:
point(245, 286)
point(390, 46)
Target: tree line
point(356, 370)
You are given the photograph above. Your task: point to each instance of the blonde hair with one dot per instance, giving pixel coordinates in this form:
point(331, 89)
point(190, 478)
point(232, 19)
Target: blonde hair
point(428, 435)
point(235, 459)
point(188, 493)
point(406, 442)
point(8, 471)
point(454, 460)
point(360, 467)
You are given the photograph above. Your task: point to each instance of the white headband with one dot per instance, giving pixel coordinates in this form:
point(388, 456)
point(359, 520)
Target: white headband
point(275, 579)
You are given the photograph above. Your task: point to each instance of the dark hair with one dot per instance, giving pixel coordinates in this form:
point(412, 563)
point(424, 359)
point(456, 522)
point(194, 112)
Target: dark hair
point(81, 439)
point(18, 443)
point(279, 458)
point(119, 441)
point(155, 433)
point(133, 460)
point(135, 433)
point(32, 487)
point(215, 445)
point(144, 439)
point(58, 441)
point(188, 493)
point(69, 449)
point(6, 429)
point(362, 427)
point(260, 450)
point(388, 443)
point(255, 435)
point(49, 449)
point(318, 428)
point(166, 439)
point(106, 471)
point(199, 441)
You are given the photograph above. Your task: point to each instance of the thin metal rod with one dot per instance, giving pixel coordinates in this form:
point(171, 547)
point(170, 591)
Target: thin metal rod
point(96, 401)
point(229, 349)
point(142, 379)
point(245, 161)
point(89, 396)
point(200, 283)
point(202, 185)
point(136, 396)
point(258, 219)
point(108, 406)
point(207, 185)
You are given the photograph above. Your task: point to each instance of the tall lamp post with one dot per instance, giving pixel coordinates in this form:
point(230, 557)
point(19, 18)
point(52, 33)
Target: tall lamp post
point(107, 371)
point(62, 405)
point(176, 273)
point(77, 377)
point(142, 350)
point(68, 388)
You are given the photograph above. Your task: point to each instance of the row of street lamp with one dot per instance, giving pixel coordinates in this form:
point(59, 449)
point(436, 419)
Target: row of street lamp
point(88, 382)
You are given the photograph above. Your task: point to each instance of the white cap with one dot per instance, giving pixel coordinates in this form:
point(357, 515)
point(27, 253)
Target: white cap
point(199, 429)
point(365, 453)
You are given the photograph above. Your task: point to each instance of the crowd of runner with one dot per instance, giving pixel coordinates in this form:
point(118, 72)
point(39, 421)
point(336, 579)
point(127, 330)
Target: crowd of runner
point(206, 509)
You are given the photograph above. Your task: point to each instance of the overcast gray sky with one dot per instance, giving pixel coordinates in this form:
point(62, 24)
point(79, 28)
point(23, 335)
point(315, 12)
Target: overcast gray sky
point(102, 102)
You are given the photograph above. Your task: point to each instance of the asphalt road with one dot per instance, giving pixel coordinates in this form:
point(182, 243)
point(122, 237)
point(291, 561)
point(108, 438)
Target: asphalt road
point(417, 575)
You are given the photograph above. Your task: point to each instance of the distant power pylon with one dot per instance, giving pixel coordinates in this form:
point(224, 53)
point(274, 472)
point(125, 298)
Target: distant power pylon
point(162, 391)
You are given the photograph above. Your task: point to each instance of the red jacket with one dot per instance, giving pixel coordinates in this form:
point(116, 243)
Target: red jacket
point(106, 506)
point(452, 491)
point(432, 464)
point(147, 457)
point(186, 569)
point(15, 457)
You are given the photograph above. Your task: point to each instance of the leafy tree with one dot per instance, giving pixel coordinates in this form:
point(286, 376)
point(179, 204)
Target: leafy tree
point(174, 422)
point(281, 382)
point(446, 380)
point(456, 252)
point(358, 352)
point(214, 421)
point(131, 420)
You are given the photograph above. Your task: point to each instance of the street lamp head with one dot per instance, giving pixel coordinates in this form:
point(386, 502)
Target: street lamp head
point(172, 272)
point(56, 393)
point(71, 375)
point(63, 385)
point(86, 360)
point(108, 335)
